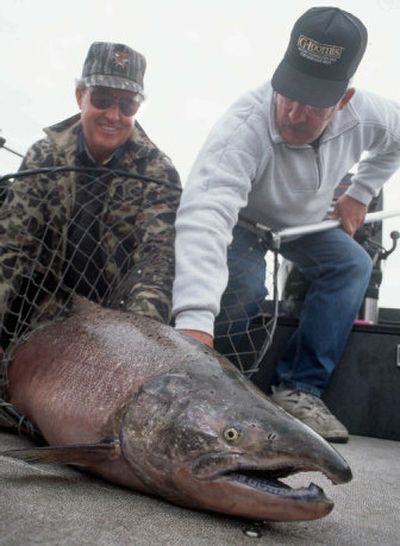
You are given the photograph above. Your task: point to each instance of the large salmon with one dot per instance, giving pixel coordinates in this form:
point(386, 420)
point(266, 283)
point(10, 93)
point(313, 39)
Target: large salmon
point(145, 407)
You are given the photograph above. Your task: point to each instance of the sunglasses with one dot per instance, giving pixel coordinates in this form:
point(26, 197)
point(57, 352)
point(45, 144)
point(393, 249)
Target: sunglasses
point(103, 98)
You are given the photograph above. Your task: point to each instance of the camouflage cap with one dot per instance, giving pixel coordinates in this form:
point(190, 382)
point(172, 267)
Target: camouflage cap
point(114, 65)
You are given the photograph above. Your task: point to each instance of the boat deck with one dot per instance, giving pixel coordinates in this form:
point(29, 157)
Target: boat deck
point(56, 505)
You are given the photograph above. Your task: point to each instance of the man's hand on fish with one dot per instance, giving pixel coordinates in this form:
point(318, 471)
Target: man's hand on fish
point(203, 337)
point(350, 212)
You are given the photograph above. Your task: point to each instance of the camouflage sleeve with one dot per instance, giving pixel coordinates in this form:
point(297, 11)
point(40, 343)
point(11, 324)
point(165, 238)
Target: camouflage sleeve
point(40, 154)
point(22, 217)
point(32, 160)
point(151, 290)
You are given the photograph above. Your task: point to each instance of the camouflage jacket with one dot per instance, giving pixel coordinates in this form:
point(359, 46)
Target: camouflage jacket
point(37, 211)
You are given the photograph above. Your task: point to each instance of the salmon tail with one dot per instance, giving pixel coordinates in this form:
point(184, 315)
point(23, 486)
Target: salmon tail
point(78, 454)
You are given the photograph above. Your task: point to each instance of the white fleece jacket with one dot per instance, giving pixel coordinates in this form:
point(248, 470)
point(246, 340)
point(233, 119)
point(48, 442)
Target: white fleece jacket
point(246, 166)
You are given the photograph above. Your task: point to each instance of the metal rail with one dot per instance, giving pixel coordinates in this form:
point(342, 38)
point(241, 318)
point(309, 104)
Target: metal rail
point(277, 236)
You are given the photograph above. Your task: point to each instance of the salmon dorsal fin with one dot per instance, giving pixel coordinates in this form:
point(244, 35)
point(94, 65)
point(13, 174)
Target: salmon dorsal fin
point(78, 454)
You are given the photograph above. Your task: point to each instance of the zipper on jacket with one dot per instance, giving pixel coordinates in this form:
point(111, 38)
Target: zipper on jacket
point(317, 160)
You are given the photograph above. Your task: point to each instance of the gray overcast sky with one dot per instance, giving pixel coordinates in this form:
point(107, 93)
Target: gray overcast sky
point(201, 54)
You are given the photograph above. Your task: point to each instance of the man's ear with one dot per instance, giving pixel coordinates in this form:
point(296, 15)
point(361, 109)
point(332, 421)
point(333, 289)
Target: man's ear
point(79, 95)
point(346, 98)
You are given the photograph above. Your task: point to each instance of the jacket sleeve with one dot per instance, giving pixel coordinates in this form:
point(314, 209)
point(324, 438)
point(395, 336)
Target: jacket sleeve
point(217, 188)
point(381, 124)
point(22, 217)
point(150, 291)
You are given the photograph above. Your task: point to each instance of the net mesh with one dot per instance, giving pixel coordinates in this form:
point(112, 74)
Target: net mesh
point(54, 255)
point(243, 321)
point(46, 270)
point(48, 253)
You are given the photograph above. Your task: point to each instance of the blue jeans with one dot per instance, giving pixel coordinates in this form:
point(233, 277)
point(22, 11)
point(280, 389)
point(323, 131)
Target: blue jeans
point(338, 271)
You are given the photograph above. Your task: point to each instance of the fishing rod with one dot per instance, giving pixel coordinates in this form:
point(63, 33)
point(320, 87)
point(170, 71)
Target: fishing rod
point(2, 145)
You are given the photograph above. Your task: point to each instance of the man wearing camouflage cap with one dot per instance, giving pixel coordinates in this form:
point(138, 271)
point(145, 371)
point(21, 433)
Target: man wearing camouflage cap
point(105, 228)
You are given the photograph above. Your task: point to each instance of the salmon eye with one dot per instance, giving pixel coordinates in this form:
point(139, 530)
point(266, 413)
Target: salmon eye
point(231, 434)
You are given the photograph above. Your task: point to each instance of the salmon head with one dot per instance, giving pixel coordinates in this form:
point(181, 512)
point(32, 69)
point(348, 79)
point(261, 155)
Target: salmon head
point(206, 438)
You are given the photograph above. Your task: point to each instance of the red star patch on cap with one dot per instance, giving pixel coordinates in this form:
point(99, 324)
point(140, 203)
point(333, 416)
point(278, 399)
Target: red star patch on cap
point(121, 59)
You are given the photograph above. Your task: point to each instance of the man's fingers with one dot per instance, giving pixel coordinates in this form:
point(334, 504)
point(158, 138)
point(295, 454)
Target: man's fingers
point(203, 337)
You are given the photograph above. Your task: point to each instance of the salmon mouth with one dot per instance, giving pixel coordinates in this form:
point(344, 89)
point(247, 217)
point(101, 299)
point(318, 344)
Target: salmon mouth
point(265, 481)
point(258, 492)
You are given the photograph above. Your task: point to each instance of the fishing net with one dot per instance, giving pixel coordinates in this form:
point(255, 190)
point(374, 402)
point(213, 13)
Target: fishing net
point(244, 320)
point(61, 253)
point(49, 253)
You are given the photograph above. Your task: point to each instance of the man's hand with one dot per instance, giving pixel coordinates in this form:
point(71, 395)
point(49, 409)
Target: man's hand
point(203, 337)
point(350, 212)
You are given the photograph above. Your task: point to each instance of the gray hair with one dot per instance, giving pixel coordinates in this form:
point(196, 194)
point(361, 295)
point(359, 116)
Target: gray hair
point(82, 86)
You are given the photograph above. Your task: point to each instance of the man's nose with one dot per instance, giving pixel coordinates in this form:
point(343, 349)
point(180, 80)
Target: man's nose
point(112, 112)
point(297, 112)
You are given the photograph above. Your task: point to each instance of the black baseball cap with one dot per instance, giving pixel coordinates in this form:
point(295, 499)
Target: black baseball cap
point(114, 65)
point(325, 48)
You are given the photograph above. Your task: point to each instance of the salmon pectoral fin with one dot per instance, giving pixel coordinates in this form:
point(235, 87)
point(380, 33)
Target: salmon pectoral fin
point(78, 454)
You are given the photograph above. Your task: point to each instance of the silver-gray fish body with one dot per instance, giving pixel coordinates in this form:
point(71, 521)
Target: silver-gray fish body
point(148, 408)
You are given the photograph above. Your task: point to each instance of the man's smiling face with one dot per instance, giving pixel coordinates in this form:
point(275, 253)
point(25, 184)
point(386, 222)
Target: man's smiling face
point(105, 128)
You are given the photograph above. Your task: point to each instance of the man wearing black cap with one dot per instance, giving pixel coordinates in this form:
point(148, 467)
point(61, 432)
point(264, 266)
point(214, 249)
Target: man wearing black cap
point(276, 157)
point(105, 227)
